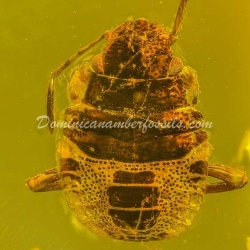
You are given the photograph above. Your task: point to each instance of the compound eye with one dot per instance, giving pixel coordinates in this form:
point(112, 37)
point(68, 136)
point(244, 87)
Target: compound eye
point(141, 24)
point(97, 64)
point(175, 66)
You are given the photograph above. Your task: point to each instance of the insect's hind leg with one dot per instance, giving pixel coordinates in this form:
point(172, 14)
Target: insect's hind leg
point(231, 179)
point(44, 182)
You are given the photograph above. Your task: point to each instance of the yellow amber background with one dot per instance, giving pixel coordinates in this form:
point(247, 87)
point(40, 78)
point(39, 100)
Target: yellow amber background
point(36, 36)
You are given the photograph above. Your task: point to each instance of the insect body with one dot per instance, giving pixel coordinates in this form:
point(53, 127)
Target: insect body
point(122, 182)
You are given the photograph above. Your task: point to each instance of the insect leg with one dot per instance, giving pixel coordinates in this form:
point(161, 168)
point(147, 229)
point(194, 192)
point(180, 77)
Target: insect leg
point(44, 182)
point(55, 73)
point(178, 20)
point(232, 179)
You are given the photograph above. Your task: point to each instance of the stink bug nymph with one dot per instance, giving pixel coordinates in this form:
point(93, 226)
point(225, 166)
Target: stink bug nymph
point(124, 183)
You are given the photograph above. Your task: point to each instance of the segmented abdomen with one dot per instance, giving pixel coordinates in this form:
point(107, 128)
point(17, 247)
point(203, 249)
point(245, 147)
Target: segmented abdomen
point(132, 184)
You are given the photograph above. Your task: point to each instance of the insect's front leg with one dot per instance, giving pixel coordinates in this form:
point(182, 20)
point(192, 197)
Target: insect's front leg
point(232, 179)
point(44, 182)
point(58, 71)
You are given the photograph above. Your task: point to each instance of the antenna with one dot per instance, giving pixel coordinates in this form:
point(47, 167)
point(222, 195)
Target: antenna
point(178, 21)
point(58, 71)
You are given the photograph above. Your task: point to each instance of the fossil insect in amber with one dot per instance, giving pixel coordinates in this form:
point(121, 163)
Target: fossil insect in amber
point(121, 182)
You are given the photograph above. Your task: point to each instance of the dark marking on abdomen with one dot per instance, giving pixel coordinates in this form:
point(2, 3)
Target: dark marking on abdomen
point(143, 177)
point(167, 147)
point(133, 196)
point(68, 164)
point(134, 206)
point(140, 220)
point(68, 168)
